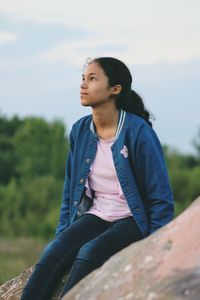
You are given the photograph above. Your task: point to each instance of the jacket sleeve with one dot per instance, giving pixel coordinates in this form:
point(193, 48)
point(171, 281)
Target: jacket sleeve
point(154, 178)
point(65, 208)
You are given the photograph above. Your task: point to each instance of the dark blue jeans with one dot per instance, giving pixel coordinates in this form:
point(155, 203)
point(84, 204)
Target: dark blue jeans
point(83, 246)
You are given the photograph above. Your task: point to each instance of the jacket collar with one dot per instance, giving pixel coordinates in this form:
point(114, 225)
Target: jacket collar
point(122, 115)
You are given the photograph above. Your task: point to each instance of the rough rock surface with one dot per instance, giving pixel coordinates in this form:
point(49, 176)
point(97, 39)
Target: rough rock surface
point(12, 289)
point(164, 266)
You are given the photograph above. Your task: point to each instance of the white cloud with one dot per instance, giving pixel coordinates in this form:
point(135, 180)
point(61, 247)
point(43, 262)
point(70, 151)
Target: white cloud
point(147, 31)
point(133, 51)
point(8, 37)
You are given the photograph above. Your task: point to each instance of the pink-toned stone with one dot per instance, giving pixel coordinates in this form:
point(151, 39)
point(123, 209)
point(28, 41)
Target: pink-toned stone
point(164, 266)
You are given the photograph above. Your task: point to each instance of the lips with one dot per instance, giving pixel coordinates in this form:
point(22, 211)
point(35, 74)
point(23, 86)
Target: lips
point(83, 94)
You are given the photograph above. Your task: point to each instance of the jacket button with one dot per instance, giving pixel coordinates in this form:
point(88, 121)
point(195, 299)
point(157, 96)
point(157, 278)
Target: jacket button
point(75, 203)
point(88, 160)
point(81, 180)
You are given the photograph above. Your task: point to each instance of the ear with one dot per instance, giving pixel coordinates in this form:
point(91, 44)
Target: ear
point(116, 90)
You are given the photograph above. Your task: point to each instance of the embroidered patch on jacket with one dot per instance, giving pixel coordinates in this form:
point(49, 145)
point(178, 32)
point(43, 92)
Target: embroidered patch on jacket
point(124, 151)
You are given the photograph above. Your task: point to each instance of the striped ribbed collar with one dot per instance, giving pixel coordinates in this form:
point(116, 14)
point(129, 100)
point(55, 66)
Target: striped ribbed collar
point(122, 115)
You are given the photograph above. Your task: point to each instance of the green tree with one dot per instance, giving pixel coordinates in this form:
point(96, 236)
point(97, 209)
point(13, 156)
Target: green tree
point(196, 143)
point(32, 166)
point(8, 128)
point(184, 177)
point(41, 148)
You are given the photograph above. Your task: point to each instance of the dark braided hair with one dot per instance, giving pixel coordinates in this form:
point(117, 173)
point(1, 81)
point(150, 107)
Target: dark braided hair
point(118, 73)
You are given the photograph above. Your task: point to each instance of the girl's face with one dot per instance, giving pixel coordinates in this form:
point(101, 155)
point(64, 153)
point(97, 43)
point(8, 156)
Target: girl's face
point(94, 89)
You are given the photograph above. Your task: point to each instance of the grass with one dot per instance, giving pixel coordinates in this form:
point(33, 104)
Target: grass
point(17, 255)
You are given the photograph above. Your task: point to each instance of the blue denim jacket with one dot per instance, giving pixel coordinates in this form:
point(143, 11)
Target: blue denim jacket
point(140, 167)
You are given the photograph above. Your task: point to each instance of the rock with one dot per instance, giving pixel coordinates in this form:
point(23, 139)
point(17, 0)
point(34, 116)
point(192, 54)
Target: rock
point(164, 266)
point(12, 289)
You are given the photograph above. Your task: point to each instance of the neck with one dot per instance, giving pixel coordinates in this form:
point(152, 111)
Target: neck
point(106, 120)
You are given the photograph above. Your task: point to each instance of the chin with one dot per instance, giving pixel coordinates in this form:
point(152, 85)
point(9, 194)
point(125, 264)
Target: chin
point(84, 103)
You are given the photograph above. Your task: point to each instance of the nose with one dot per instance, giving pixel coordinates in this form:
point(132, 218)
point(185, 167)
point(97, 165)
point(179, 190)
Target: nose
point(83, 85)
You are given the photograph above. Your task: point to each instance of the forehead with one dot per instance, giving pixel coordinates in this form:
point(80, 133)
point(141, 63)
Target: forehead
point(93, 68)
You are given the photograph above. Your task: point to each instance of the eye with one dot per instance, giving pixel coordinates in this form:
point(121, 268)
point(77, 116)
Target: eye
point(92, 78)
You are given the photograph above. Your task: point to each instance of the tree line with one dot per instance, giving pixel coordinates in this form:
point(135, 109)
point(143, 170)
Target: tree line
point(33, 152)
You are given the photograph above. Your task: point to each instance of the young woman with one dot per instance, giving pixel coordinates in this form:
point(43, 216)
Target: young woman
point(116, 188)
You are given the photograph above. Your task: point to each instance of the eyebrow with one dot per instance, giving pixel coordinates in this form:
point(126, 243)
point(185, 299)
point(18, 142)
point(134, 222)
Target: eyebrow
point(89, 74)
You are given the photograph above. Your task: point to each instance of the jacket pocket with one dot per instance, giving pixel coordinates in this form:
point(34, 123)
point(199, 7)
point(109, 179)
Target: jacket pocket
point(84, 205)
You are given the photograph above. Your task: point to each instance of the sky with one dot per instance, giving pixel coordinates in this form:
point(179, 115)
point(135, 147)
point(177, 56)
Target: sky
point(44, 44)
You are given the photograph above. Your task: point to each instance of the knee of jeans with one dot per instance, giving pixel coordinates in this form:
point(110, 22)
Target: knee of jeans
point(88, 252)
point(52, 250)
